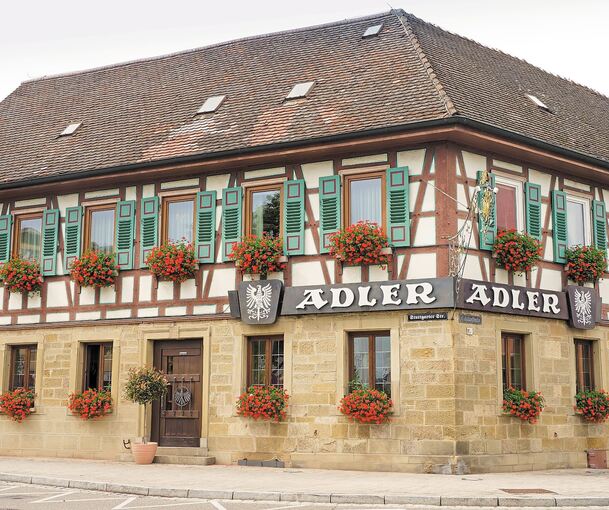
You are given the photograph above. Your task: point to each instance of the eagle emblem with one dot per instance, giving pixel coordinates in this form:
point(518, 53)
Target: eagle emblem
point(583, 306)
point(258, 300)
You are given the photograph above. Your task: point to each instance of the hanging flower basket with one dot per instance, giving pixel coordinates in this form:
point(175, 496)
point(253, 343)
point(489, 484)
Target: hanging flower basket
point(21, 276)
point(366, 405)
point(175, 262)
point(90, 404)
point(516, 251)
point(362, 243)
point(585, 264)
point(17, 404)
point(94, 269)
point(259, 255)
point(592, 405)
point(263, 403)
point(526, 405)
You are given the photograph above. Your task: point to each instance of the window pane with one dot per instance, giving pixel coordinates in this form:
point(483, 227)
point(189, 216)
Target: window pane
point(506, 207)
point(361, 361)
point(30, 231)
point(32, 372)
point(102, 231)
point(19, 368)
point(92, 366)
point(179, 221)
point(365, 200)
point(266, 212)
point(513, 361)
point(383, 363)
point(277, 363)
point(575, 223)
point(107, 375)
point(258, 362)
point(584, 365)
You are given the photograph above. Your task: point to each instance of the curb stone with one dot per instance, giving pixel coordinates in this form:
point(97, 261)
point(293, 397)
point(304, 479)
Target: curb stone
point(405, 499)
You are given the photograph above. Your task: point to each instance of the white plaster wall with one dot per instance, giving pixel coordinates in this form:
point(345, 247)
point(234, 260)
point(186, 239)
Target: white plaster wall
point(576, 185)
point(118, 314)
point(473, 163)
point(57, 295)
point(508, 166)
point(426, 232)
point(188, 289)
point(472, 267)
point(127, 289)
point(461, 198)
point(107, 295)
point(147, 190)
point(313, 171)
point(58, 317)
point(164, 291)
point(183, 183)
point(308, 273)
point(362, 160)
point(264, 172)
point(413, 159)
point(145, 287)
point(15, 301)
point(551, 279)
point(352, 274)
point(102, 193)
point(223, 280)
point(422, 265)
point(130, 193)
point(87, 296)
point(217, 182)
point(429, 198)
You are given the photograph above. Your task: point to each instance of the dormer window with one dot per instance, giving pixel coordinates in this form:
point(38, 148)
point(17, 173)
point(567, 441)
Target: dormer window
point(70, 129)
point(300, 90)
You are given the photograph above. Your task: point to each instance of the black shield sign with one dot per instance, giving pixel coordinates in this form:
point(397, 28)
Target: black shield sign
point(583, 306)
point(259, 301)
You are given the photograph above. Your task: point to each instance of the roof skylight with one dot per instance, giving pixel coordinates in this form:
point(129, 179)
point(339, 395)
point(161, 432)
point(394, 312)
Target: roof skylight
point(300, 90)
point(535, 100)
point(211, 104)
point(373, 30)
point(70, 129)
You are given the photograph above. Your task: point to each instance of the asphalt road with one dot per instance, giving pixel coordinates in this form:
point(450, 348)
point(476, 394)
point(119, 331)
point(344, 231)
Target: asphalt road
point(15, 496)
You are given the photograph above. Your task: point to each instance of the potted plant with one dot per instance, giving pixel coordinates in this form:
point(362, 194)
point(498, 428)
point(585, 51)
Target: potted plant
point(94, 269)
point(366, 405)
point(585, 264)
point(263, 403)
point(175, 262)
point(592, 405)
point(526, 405)
point(516, 251)
point(144, 386)
point(20, 275)
point(259, 255)
point(17, 404)
point(362, 243)
point(90, 404)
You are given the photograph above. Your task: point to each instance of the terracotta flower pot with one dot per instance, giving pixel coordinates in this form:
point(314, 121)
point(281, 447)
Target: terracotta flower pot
point(143, 453)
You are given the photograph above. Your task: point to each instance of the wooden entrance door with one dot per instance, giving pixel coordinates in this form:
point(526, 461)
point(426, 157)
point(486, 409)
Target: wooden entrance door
point(176, 420)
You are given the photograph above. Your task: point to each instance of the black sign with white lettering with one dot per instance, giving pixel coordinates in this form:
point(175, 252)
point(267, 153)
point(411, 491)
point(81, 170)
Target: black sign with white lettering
point(496, 297)
point(437, 316)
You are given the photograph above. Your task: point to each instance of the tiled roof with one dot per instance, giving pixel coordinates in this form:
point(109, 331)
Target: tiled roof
point(144, 111)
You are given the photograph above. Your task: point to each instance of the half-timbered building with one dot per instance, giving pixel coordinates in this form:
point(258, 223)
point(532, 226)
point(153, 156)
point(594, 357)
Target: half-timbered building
point(386, 118)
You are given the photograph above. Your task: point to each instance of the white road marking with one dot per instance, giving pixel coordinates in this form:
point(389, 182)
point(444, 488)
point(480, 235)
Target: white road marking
point(9, 488)
point(125, 503)
point(26, 494)
point(295, 505)
point(167, 504)
point(217, 505)
point(87, 499)
point(43, 500)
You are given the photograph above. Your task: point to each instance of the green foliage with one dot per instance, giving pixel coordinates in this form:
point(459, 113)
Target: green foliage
point(585, 263)
point(145, 385)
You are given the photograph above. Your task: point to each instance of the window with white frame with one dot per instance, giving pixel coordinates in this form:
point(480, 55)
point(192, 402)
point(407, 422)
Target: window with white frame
point(509, 203)
point(578, 221)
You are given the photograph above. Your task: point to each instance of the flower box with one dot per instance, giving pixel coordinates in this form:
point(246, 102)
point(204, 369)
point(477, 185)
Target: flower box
point(17, 404)
point(585, 264)
point(21, 276)
point(526, 405)
point(94, 269)
point(263, 403)
point(90, 404)
point(366, 405)
point(259, 255)
point(174, 262)
point(516, 251)
point(592, 405)
point(362, 243)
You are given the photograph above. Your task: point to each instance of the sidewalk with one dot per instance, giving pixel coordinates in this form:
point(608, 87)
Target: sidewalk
point(568, 487)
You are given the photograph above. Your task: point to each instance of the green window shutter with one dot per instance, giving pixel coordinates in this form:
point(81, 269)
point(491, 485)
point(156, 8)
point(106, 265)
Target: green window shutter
point(73, 226)
point(231, 219)
point(6, 222)
point(149, 227)
point(599, 216)
point(125, 233)
point(205, 243)
point(50, 242)
point(329, 210)
point(533, 209)
point(559, 225)
point(293, 217)
point(487, 237)
point(398, 208)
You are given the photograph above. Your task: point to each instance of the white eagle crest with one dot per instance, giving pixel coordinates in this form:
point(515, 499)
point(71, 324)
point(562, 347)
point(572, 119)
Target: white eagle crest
point(258, 301)
point(583, 306)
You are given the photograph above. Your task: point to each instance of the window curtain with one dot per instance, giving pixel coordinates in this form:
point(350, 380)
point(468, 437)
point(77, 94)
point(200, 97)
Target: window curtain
point(29, 239)
point(180, 222)
point(102, 231)
point(365, 201)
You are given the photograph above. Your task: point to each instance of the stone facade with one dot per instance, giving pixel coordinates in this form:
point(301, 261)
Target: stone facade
point(445, 375)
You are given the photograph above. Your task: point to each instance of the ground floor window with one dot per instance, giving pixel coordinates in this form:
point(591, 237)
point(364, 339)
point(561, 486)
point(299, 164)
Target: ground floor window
point(584, 365)
point(370, 360)
point(513, 360)
point(23, 367)
point(265, 361)
point(98, 366)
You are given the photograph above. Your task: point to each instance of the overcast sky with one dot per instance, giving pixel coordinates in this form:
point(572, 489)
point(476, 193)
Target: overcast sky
point(39, 38)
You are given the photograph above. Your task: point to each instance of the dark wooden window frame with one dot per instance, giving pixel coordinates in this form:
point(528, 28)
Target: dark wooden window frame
point(580, 346)
point(89, 210)
point(28, 355)
point(371, 352)
point(268, 353)
point(17, 238)
point(169, 199)
point(350, 177)
point(248, 202)
point(100, 376)
point(506, 343)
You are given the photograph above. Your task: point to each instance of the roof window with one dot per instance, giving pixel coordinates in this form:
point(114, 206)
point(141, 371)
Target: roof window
point(535, 100)
point(72, 127)
point(300, 90)
point(211, 104)
point(373, 30)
